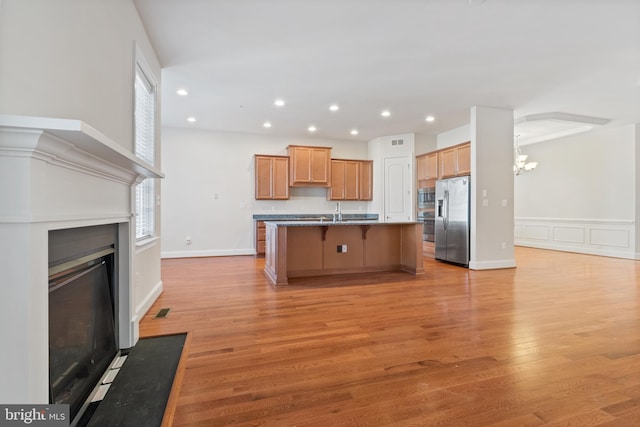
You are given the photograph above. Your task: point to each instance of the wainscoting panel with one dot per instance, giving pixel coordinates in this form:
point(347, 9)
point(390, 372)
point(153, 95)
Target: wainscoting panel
point(536, 232)
point(590, 236)
point(569, 234)
point(604, 237)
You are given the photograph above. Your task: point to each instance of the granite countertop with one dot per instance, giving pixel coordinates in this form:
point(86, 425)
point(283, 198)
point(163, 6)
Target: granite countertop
point(337, 223)
point(314, 220)
point(326, 217)
point(315, 223)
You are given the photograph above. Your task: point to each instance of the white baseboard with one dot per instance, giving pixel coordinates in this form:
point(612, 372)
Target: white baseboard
point(148, 301)
point(492, 265)
point(611, 238)
point(208, 253)
point(581, 250)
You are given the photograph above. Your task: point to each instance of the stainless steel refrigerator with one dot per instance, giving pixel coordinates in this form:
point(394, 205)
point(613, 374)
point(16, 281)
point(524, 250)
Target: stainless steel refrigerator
point(452, 220)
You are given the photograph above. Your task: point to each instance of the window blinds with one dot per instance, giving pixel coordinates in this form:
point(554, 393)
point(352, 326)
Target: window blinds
point(144, 118)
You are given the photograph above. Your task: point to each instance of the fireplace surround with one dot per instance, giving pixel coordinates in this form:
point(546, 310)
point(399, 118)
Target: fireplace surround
point(57, 174)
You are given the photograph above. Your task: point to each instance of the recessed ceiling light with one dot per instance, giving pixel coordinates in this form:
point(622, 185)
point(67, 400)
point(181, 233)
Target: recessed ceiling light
point(354, 131)
point(334, 107)
point(429, 119)
point(182, 92)
point(311, 128)
point(191, 119)
point(267, 124)
point(385, 113)
point(279, 103)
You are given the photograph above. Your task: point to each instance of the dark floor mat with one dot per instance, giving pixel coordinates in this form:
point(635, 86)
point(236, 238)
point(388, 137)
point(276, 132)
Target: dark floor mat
point(139, 394)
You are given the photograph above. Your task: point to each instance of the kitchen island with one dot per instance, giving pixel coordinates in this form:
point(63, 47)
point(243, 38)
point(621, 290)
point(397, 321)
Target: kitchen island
point(318, 248)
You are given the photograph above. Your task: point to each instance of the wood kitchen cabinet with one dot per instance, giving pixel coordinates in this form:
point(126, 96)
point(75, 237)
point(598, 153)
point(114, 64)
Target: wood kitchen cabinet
point(310, 250)
point(455, 161)
point(272, 177)
point(260, 238)
point(336, 191)
point(427, 166)
point(309, 166)
point(447, 163)
point(366, 180)
point(351, 180)
point(344, 180)
point(464, 159)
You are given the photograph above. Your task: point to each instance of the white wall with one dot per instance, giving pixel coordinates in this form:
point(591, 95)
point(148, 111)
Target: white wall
point(582, 195)
point(453, 137)
point(636, 145)
point(72, 59)
point(491, 188)
point(209, 189)
point(584, 176)
point(425, 143)
point(75, 59)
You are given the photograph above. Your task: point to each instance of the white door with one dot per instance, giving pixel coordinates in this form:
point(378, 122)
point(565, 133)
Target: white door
point(397, 189)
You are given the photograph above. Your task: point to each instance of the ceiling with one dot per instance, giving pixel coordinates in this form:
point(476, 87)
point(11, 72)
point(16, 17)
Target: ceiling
point(412, 57)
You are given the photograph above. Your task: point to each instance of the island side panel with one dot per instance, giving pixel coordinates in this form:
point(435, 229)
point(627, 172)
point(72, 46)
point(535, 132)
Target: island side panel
point(304, 251)
point(275, 265)
point(382, 247)
point(411, 251)
point(343, 262)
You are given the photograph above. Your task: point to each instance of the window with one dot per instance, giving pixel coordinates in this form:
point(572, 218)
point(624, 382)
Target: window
point(144, 118)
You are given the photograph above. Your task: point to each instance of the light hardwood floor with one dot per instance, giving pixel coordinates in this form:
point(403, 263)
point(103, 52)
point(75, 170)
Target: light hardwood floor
point(553, 342)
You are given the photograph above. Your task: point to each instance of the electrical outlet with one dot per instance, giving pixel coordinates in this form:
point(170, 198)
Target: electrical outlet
point(344, 248)
point(188, 240)
point(341, 249)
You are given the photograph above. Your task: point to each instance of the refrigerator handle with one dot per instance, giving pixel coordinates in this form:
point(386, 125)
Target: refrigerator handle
point(446, 209)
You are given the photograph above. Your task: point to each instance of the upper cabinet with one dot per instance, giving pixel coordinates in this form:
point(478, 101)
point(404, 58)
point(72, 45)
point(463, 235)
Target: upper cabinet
point(309, 166)
point(351, 180)
point(445, 163)
point(463, 154)
point(455, 161)
point(272, 177)
point(366, 180)
point(427, 166)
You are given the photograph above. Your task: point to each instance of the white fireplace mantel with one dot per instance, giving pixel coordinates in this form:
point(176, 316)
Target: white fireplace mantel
point(56, 174)
point(72, 143)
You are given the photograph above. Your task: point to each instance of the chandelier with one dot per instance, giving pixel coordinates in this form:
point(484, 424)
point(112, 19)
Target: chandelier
point(520, 163)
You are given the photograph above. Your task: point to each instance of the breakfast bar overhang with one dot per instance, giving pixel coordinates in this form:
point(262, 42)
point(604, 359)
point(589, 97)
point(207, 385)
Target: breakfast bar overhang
point(316, 248)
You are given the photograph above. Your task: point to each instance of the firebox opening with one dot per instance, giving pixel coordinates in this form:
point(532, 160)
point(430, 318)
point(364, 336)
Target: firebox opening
point(82, 312)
